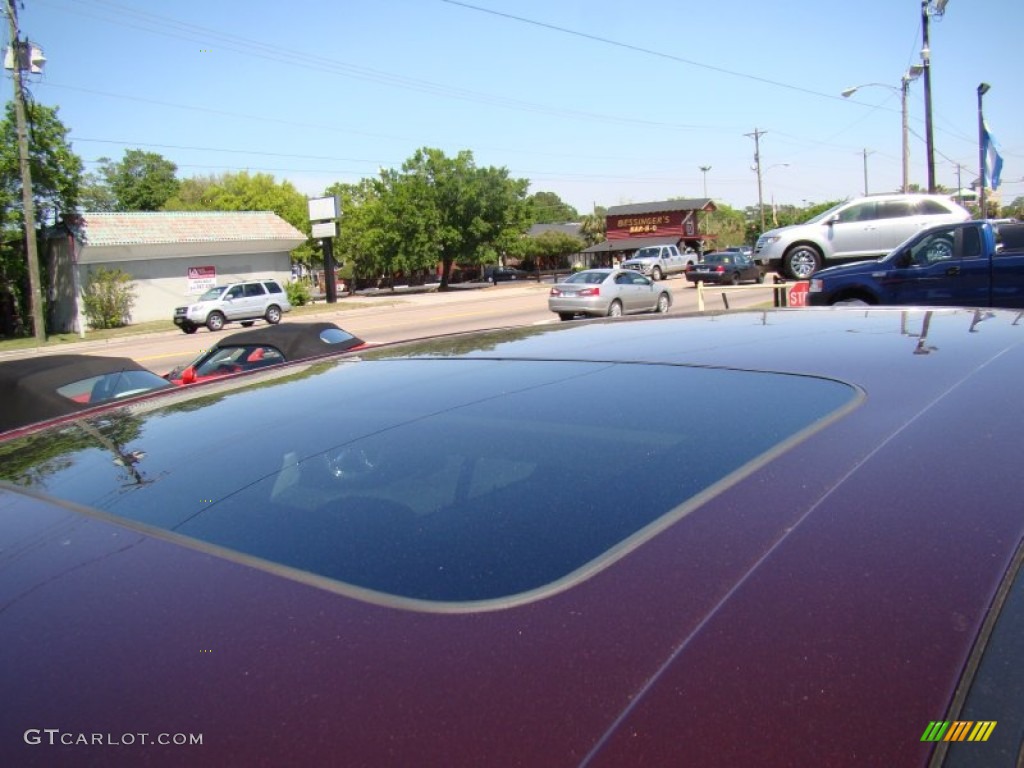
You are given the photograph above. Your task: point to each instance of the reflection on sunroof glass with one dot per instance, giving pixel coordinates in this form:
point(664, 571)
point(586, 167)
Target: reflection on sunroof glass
point(446, 480)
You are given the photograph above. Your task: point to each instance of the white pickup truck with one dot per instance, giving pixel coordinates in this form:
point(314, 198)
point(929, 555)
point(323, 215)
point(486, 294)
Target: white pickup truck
point(658, 261)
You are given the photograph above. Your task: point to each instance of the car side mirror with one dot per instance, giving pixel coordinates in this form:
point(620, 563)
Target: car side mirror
point(832, 219)
point(188, 376)
point(904, 259)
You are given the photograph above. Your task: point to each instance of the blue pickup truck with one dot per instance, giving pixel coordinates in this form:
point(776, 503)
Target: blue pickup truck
point(969, 264)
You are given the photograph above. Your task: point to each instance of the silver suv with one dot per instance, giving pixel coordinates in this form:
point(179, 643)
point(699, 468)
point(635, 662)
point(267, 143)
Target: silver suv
point(243, 302)
point(862, 228)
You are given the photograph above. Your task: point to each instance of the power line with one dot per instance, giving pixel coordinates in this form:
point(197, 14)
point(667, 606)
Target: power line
point(228, 151)
point(154, 23)
point(648, 51)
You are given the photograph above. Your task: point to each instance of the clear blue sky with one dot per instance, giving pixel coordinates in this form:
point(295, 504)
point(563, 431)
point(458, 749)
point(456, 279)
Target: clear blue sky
point(600, 102)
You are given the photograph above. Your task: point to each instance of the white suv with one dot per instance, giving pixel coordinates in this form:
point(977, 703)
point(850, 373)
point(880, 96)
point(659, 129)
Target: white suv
point(244, 302)
point(862, 228)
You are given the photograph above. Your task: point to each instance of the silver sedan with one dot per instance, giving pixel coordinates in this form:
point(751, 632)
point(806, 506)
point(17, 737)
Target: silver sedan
point(611, 292)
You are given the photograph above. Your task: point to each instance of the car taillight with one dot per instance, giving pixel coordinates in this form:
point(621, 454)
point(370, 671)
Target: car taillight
point(590, 292)
point(689, 267)
point(554, 292)
point(719, 268)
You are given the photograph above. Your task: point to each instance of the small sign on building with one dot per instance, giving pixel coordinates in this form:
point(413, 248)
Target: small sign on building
point(201, 279)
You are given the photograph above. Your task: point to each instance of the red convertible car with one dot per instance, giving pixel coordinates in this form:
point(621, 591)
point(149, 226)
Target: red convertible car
point(487, 550)
point(264, 346)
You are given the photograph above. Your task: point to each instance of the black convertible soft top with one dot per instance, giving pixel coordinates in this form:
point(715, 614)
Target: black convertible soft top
point(28, 387)
point(295, 340)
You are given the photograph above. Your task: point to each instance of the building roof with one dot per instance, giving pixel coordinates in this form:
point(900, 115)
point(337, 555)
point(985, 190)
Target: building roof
point(695, 204)
point(632, 243)
point(153, 227)
point(569, 228)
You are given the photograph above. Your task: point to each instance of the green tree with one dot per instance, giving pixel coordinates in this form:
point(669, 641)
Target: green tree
point(1015, 209)
point(727, 225)
point(549, 248)
point(593, 226)
point(367, 238)
point(96, 194)
point(140, 181)
point(549, 208)
point(448, 210)
point(242, 192)
point(56, 181)
point(247, 192)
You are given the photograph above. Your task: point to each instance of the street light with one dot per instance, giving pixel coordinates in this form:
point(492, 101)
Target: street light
point(983, 88)
point(911, 74)
point(761, 173)
point(704, 170)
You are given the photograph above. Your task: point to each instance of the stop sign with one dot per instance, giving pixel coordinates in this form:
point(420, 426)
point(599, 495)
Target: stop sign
point(798, 294)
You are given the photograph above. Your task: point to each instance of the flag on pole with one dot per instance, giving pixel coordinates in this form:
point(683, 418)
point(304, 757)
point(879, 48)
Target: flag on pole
point(993, 161)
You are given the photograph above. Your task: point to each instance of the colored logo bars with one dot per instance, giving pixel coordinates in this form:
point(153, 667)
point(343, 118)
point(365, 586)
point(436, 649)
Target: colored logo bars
point(958, 730)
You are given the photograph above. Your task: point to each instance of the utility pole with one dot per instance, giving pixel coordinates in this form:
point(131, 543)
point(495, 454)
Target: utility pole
point(704, 170)
point(911, 74)
point(866, 153)
point(756, 136)
point(20, 50)
point(926, 63)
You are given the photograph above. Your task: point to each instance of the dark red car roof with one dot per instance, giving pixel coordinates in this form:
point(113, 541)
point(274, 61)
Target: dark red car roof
point(816, 607)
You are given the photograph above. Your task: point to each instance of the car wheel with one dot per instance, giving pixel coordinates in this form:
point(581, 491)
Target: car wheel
point(247, 323)
point(189, 328)
point(215, 321)
point(566, 315)
point(656, 274)
point(664, 302)
point(615, 309)
point(734, 278)
point(273, 314)
point(801, 261)
point(760, 277)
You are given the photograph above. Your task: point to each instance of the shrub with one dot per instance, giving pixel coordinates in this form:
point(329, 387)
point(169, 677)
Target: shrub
point(298, 293)
point(108, 298)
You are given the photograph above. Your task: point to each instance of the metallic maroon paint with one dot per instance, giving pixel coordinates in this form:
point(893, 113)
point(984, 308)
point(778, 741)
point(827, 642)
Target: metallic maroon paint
point(818, 612)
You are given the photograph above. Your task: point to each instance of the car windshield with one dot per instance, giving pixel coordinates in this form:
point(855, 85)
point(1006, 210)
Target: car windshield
point(212, 294)
point(647, 253)
point(826, 214)
point(445, 484)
